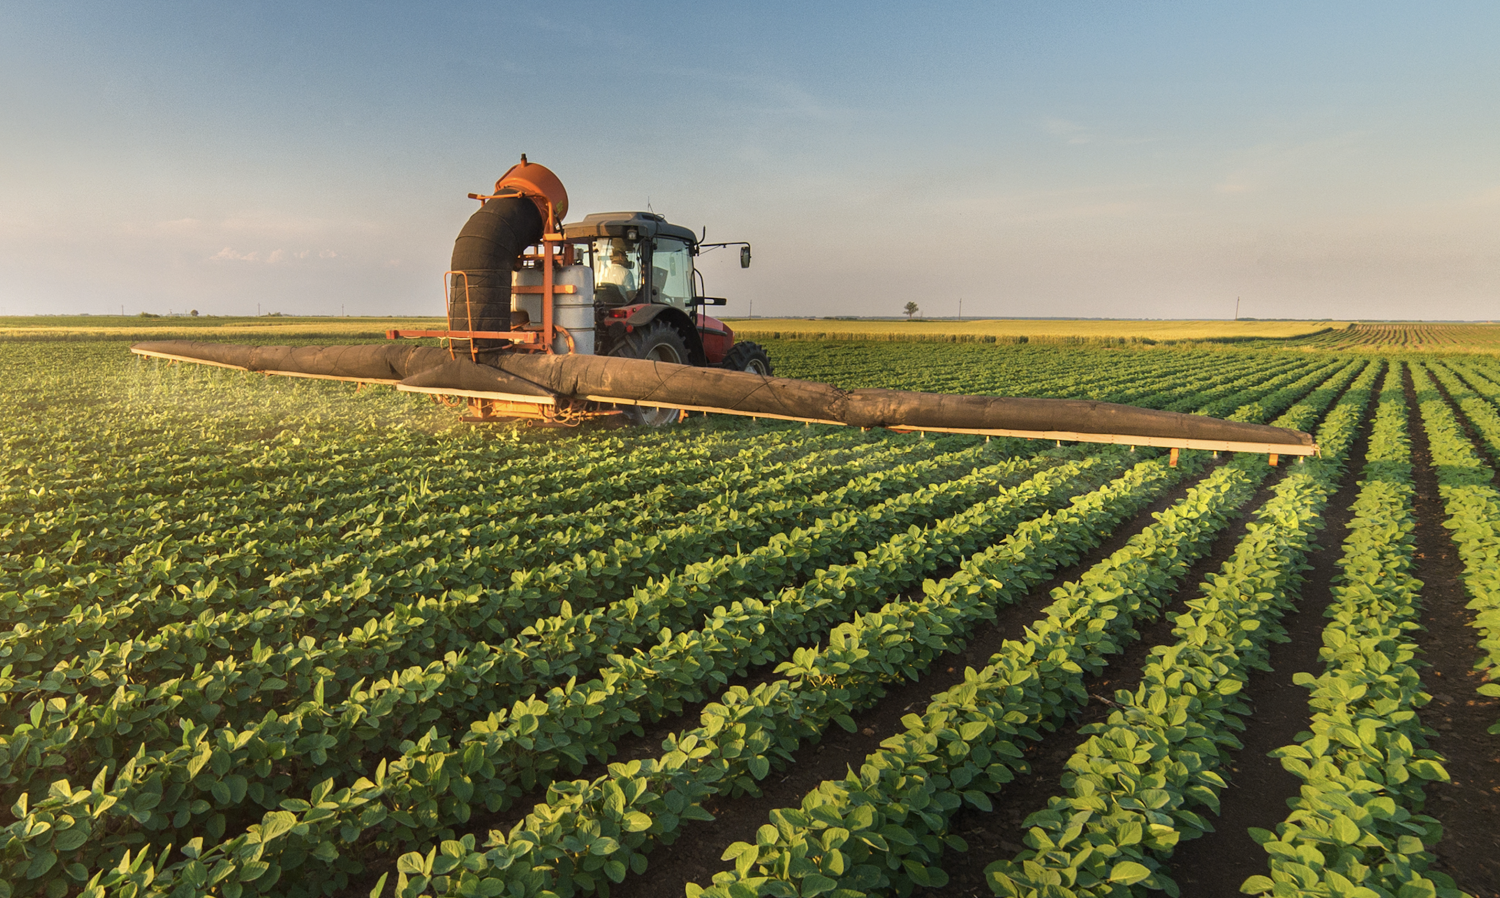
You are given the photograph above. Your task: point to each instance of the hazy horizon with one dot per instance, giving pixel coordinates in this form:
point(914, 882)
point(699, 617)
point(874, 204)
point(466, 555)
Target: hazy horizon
point(1031, 160)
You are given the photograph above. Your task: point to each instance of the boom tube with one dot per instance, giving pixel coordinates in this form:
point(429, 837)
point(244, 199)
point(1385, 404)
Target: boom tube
point(545, 379)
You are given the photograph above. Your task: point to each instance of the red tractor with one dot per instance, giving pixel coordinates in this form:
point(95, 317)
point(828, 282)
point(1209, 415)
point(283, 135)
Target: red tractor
point(648, 294)
point(618, 284)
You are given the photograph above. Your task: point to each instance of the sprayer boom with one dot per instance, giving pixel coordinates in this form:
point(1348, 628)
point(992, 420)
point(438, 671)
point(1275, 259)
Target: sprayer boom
point(565, 387)
point(561, 323)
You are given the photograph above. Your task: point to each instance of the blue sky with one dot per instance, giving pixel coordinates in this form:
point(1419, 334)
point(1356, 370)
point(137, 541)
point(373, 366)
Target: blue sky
point(1132, 160)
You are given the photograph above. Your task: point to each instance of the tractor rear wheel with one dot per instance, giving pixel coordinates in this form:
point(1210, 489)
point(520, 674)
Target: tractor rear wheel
point(749, 357)
point(656, 342)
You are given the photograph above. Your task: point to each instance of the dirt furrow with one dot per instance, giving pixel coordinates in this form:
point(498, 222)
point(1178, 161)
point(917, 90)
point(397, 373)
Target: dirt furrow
point(696, 857)
point(1468, 806)
point(997, 835)
point(1259, 788)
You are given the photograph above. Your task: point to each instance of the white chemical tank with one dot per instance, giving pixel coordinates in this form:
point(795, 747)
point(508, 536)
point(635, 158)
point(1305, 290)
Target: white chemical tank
point(574, 311)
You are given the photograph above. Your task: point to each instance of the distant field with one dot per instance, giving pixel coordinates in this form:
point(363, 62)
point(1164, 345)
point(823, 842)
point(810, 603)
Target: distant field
point(1010, 328)
point(1337, 336)
point(137, 328)
point(1411, 336)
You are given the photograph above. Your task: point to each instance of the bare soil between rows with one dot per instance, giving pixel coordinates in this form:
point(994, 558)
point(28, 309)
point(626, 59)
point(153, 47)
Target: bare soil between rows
point(998, 835)
point(1468, 806)
point(697, 856)
point(1256, 782)
point(1259, 787)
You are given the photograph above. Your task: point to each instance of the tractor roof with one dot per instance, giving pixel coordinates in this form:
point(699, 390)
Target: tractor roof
point(613, 224)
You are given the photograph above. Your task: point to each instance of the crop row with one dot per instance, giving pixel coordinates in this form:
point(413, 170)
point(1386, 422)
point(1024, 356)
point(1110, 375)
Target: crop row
point(209, 621)
point(820, 687)
point(736, 713)
point(270, 492)
point(1355, 823)
point(1228, 404)
point(1138, 784)
point(230, 784)
point(1472, 503)
point(208, 771)
point(145, 823)
point(237, 698)
point(564, 871)
point(884, 827)
point(405, 547)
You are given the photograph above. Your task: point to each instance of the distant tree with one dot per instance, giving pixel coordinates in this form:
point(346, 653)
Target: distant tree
point(911, 309)
point(194, 313)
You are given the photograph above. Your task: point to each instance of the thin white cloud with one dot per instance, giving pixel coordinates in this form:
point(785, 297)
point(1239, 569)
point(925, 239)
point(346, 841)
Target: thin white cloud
point(228, 254)
point(1070, 132)
point(1285, 164)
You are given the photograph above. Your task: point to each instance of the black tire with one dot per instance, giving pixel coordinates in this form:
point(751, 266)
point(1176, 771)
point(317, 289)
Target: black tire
point(749, 357)
point(656, 342)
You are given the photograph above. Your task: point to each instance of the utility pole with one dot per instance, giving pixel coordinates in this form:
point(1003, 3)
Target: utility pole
point(752, 308)
point(960, 308)
point(1236, 308)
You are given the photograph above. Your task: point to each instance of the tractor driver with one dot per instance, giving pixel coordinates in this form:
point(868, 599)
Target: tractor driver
point(620, 271)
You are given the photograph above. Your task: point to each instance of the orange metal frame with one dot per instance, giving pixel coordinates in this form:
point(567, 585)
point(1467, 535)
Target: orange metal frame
point(553, 252)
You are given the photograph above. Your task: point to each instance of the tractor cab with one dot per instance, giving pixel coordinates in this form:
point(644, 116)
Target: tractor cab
point(645, 282)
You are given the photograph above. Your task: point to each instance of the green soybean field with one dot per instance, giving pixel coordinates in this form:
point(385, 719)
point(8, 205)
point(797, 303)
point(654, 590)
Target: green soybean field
point(265, 636)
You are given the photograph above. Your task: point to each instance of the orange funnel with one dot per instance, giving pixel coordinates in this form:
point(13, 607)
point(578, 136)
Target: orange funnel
point(537, 181)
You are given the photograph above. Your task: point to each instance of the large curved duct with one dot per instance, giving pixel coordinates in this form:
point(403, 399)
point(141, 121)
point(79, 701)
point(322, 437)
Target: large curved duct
point(636, 381)
point(484, 259)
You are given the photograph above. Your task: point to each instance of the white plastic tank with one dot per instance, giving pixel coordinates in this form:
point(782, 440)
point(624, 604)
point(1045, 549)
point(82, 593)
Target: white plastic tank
point(574, 311)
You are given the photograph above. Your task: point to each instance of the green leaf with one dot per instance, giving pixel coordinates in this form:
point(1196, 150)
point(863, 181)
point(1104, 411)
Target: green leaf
point(817, 884)
point(1256, 885)
point(637, 822)
point(412, 862)
point(40, 864)
point(1128, 873)
point(1344, 830)
point(276, 823)
point(615, 870)
point(70, 839)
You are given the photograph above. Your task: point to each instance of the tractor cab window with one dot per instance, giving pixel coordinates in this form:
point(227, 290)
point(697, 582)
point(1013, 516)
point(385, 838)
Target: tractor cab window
point(617, 271)
point(672, 273)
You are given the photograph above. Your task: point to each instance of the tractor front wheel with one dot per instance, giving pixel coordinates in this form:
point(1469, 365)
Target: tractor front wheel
point(656, 342)
point(748, 357)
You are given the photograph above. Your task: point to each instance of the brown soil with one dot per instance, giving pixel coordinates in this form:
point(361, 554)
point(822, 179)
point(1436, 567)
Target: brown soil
point(1469, 806)
point(696, 857)
point(1259, 788)
point(997, 835)
point(989, 841)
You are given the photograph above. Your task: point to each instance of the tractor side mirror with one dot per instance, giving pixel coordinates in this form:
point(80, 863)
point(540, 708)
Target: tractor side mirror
point(744, 257)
